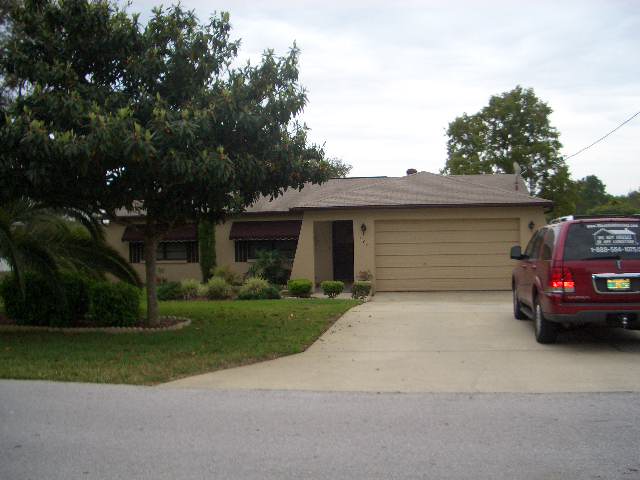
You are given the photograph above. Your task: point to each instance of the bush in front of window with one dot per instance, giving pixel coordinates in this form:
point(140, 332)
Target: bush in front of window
point(217, 288)
point(190, 288)
point(270, 265)
point(332, 288)
point(300, 287)
point(114, 304)
point(170, 291)
point(361, 289)
point(256, 288)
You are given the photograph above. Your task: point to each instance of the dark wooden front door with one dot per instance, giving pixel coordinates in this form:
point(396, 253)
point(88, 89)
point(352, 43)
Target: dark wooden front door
point(343, 250)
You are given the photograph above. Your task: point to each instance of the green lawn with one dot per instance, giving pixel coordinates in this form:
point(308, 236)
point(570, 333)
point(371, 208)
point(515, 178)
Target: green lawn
point(222, 335)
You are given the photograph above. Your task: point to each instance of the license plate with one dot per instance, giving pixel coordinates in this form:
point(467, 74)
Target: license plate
point(618, 284)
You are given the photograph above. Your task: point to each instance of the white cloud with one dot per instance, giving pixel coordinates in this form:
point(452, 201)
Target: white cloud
point(384, 79)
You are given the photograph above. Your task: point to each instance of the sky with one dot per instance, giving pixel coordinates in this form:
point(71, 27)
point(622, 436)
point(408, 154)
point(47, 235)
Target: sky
point(384, 79)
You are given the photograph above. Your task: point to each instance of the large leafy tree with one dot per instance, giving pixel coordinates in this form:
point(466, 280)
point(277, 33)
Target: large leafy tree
point(513, 127)
point(112, 114)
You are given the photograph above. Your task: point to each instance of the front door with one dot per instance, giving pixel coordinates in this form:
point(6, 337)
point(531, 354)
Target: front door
point(343, 250)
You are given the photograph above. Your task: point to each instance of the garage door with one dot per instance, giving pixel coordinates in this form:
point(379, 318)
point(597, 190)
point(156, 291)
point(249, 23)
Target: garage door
point(423, 255)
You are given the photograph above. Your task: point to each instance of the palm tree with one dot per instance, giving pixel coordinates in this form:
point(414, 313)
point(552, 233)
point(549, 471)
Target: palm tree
point(48, 240)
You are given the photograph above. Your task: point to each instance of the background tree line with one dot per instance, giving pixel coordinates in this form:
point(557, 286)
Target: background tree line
point(515, 127)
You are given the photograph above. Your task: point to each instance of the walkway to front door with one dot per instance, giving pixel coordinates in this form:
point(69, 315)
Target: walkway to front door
point(442, 342)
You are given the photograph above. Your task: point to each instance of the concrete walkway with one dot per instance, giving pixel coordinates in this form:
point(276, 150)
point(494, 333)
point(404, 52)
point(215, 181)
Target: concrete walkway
point(442, 342)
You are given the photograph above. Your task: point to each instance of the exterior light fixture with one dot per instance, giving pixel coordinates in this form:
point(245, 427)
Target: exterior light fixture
point(363, 228)
point(531, 225)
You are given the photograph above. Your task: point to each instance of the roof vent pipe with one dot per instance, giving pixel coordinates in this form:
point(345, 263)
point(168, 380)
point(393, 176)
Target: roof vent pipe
point(412, 171)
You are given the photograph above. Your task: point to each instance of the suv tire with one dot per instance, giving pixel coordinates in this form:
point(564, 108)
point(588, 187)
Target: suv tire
point(546, 331)
point(517, 307)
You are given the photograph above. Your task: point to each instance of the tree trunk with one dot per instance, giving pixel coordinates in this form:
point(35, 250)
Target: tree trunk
point(150, 256)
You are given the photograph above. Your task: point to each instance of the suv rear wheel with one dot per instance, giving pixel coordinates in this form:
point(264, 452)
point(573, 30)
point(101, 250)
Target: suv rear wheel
point(546, 331)
point(517, 308)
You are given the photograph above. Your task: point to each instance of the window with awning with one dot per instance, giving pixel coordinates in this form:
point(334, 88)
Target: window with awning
point(251, 237)
point(178, 244)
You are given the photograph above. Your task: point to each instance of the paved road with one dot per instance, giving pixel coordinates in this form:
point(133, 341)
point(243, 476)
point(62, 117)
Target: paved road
point(75, 431)
point(443, 342)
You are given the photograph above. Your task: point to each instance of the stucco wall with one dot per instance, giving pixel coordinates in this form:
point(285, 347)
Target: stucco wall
point(312, 263)
point(323, 240)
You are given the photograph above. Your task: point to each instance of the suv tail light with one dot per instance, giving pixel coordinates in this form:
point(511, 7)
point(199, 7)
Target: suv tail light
point(561, 281)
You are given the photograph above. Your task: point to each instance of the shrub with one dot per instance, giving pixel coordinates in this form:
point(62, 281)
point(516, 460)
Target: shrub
point(217, 288)
point(170, 291)
point(230, 276)
point(332, 288)
point(207, 244)
point(365, 276)
point(114, 304)
point(257, 289)
point(190, 288)
point(43, 302)
point(272, 293)
point(300, 287)
point(76, 294)
point(361, 289)
point(270, 265)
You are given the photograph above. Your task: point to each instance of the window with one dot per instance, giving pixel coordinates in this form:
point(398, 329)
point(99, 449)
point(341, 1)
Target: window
point(533, 249)
point(547, 245)
point(603, 240)
point(247, 249)
point(185, 251)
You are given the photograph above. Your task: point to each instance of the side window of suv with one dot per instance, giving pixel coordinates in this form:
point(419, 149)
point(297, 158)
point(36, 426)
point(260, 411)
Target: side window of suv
point(547, 245)
point(533, 249)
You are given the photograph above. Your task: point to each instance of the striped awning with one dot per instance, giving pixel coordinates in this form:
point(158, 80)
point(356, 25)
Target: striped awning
point(184, 233)
point(266, 230)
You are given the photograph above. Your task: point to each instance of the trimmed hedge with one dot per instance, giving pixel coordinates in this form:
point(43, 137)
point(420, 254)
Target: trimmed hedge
point(361, 289)
point(42, 304)
point(170, 291)
point(55, 303)
point(76, 294)
point(332, 288)
point(300, 287)
point(114, 304)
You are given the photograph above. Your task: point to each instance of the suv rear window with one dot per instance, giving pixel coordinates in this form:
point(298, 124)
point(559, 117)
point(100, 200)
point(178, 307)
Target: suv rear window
point(602, 240)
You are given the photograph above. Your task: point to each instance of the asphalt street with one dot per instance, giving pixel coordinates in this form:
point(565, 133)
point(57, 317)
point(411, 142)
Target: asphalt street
point(77, 431)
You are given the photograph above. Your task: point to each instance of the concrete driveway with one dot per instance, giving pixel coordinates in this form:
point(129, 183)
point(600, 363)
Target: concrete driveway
point(443, 342)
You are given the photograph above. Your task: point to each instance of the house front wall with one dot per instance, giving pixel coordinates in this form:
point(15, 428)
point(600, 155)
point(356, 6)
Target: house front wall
point(313, 258)
point(313, 254)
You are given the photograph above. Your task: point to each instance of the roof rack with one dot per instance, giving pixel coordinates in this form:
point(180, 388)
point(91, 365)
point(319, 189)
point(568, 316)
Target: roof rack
point(568, 218)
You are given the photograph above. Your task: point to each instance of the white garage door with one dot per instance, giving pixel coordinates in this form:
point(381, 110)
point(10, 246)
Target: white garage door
point(423, 255)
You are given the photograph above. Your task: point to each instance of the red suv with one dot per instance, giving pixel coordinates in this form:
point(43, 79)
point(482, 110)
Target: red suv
point(579, 270)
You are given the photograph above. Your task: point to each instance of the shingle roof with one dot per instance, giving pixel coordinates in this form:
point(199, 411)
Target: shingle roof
point(421, 189)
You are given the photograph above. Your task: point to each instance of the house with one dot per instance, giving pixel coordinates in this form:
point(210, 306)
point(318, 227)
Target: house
point(419, 232)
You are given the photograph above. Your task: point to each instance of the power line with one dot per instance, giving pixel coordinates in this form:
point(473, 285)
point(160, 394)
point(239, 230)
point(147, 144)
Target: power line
point(604, 136)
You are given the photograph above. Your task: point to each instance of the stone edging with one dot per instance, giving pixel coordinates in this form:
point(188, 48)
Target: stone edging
point(184, 322)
